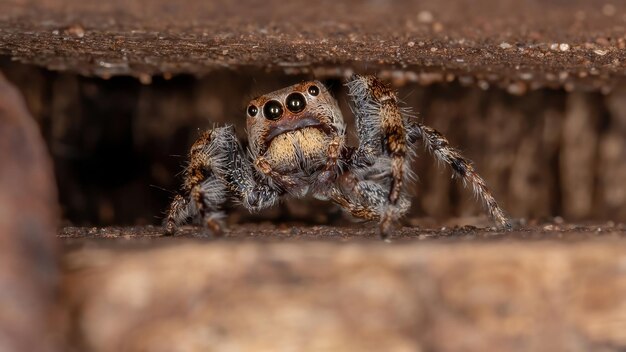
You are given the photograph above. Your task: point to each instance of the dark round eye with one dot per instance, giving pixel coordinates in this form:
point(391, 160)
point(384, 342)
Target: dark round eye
point(314, 90)
point(252, 110)
point(295, 102)
point(272, 110)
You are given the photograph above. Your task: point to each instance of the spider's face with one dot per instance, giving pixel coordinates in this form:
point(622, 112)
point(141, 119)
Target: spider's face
point(297, 120)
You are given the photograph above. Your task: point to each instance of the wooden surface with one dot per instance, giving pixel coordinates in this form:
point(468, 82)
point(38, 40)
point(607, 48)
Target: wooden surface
point(563, 288)
point(519, 45)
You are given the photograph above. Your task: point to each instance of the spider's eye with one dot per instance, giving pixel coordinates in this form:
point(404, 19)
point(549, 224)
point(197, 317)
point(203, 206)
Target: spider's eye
point(252, 110)
point(314, 90)
point(273, 110)
point(295, 102)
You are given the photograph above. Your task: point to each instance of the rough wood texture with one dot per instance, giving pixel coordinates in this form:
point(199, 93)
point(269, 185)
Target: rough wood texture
point(517, 44)
point(356, 296)
point(28, 215)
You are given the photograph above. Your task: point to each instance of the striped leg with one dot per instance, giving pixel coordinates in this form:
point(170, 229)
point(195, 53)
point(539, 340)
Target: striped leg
point(439, 146)
point(386, 140)
point(383, 140)
point(218, 172)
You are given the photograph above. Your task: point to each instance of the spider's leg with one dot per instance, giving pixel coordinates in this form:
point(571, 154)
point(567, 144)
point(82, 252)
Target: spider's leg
point(382, 138)
point(384, 131)
point(439, 146)
point(218, 171)
point(366, 199)
point(202, 188)
point(356, 209)
point(177, 213)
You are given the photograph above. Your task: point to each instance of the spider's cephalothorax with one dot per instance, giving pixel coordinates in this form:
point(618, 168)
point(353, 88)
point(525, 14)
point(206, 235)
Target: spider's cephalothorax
point(297, 148)
point(295, 136)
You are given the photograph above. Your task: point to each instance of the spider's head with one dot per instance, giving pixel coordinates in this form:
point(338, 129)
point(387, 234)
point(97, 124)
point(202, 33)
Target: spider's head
point(301, 118)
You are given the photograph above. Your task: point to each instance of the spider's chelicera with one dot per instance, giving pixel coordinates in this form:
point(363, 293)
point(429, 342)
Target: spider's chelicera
point(298, 148)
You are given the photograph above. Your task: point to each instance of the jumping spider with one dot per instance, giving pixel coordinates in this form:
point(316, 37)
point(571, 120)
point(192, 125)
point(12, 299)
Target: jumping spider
point(298, 148)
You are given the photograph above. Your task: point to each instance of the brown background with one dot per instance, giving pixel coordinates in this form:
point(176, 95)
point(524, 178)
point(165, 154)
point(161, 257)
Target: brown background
point(118, 145)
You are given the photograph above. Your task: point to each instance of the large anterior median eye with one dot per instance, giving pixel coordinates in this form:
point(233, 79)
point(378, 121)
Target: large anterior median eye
point(295, 102)
point(272, 110)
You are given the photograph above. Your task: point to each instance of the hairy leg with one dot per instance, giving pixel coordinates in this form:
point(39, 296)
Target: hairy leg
point(366, 199)
point(439, 146)
point(177, 213)
point(218, 172)
point(386, 137)
point(200, 186)
point(357, 209)
point(382, 135)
